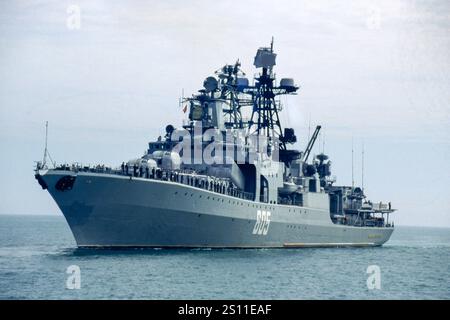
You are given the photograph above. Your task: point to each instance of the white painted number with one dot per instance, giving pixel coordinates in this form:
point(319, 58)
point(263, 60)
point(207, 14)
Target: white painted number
point(262, 222)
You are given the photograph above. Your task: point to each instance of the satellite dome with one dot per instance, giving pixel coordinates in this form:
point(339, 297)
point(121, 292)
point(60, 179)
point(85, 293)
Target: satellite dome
point(322, 157)
point(287, 82)
point(241, 83)
point(210, 84)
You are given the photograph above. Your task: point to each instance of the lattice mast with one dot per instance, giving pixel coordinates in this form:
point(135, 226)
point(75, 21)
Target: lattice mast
point(265, 120)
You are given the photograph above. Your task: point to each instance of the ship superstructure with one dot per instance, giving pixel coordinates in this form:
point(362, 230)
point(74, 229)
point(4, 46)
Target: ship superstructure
point(228, 177)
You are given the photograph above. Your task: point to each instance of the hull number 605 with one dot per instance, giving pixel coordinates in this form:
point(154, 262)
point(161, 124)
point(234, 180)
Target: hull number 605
point(262, 222)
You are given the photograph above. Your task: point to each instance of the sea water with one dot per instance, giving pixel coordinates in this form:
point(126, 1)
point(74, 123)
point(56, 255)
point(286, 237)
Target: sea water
point(38, 256)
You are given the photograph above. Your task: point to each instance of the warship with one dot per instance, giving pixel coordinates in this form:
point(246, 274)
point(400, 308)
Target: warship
point(228, 177)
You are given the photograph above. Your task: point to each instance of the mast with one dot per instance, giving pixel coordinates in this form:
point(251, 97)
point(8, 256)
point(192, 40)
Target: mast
point(265, 108)
point(265, 119)
point(309, 127)
point(232, 82)
point(323, 141)
point(44, 160)
point(362, 167)
point(233, 91)
point(46, 153)
point(353, 179)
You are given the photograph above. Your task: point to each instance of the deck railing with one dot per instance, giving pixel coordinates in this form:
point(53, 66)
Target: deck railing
point(185, 177)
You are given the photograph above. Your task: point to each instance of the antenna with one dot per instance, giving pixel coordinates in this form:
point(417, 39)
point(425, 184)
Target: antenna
point(46, 153)
point(309, 127)
point(362, 167)
point(320, 141)
point(181, 100)
point(353, 179)
point(323, 142)
point(44, 160)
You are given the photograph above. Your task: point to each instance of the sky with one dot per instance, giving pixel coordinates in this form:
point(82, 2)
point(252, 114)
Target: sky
point(373, 72)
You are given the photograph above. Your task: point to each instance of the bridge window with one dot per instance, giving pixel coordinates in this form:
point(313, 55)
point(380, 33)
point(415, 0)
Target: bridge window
point(312, 185)
point(264, 190)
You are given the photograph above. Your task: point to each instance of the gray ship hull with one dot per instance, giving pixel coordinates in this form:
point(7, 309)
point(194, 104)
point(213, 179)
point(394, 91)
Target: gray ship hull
point(106, 210)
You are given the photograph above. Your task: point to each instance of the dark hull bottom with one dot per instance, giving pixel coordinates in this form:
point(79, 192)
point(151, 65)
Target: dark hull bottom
point(291, 247)
point(168, 229)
